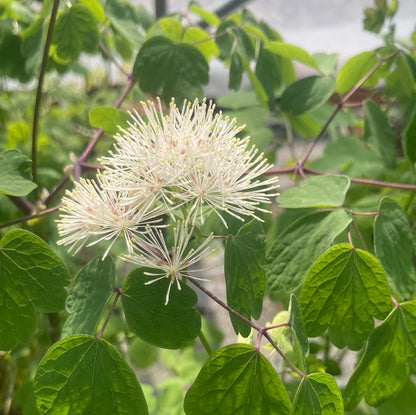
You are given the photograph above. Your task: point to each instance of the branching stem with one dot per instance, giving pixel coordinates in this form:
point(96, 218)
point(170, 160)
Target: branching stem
point(110, 312)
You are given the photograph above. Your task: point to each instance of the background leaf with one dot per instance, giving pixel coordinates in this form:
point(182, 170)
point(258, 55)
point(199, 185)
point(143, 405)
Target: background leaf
point(383, 369)
point(318, 394)
point(299, 245)
point(170, 326)
point(30, 275)
point(15, 173)
point(292, 52)
point(307, 94)
point(244, 275)
point(393, 245)
point(109, 119)
point(85, 375)
point(88, 295)
point(316, 191)
point(237, 380)
point(344, 289)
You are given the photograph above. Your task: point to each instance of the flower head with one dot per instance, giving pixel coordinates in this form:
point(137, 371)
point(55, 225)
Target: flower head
point(151, 251)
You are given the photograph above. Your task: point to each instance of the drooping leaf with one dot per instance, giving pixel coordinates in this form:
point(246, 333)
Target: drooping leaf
point(15, 173)
point(316, 191)
point(393, 245)
point(318, 393)
point(208, 17)
point(354, 69)
point(244, 275)
point(170, 326)
point(236, 72)
point(238, 380)
point(384, 367)
point(85, 375)
point(76, 30)
point(88, 295)
point(30, 275)
point(299, 245)
point(292, 52)
point(307, 94)
point(109, 119)
point(409, 135)
point(344, 289)
point(379, 134)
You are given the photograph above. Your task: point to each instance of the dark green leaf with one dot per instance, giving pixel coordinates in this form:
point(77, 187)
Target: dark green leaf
point(237, 380)
point(384, 367)
point(399, 79)
point(299, 245)
point(76, 30)
point(170, 326)
point(316, 191)
point(13, 62)
point(244, 275)
point(373, 19)
point(379, 134)
point(89, 293)
point(24, 398)
point(300, 337)
point(292, 52)
point(393, 245)
point(344, 289)
point(354, 69)
point(236, 72)
point(109, 119)
point(85, 375)
point(32, 45)
point(318, 394)
point(30, 275)
point(142, 354)
point(409, 136)
point(307, 94)
point(15, 173)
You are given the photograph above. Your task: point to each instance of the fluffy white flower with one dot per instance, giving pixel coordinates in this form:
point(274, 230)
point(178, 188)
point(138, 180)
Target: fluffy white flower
point(151, 251)
point(92, 213)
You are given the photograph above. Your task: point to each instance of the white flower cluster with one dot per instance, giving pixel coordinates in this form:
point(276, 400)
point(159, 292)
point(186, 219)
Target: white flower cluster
point(188, 161)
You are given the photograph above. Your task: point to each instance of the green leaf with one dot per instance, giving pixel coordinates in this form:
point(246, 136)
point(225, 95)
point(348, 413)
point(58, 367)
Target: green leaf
point(109, 119)
point(15, 173)
point(142, 354)
point(299, 245)
point(402, 403)
point(180, 69)
point(237, 380)
point(393, 245)
point(170, 326)
point(354, 69)
point(124, 21)
point(244, 275)
point(316, 191)
point(89, 293)
point(30, 275)
point(208, 17)
point(318, 394)
point(169, 27)
point(307, 94)
point(76, 30)
point(202, 41)
point(384, 367)
point(409, 135)
point(327, 62)
point(32, 45)
point(85, 375)
point(236, 72)
point(292, 52)
point(379, 134)
point(344, 289)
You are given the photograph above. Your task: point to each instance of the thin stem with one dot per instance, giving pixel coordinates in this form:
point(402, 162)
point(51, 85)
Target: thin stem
point(363, 213)
point(357, 231)
point(350, 239)
point(110, 312)
point(342, 103)
point(205, 343)
point(29, 217)
point(23, 204)
point(38, 99)
point(113, 59)
point(276, 326)
point(283, 356)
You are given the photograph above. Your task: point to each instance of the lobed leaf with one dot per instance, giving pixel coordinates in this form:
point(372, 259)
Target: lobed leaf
point(88, 295)
point(318, 393)
point(344, 289)
point(15, 173)
point(237, 380)
point(383, 369)
point(299, 245)
point(85, 375)
point(316, 191)
point(244, 275)
point(170, 326)
point(109, 119)
point(31, 275)
point(393, 245)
